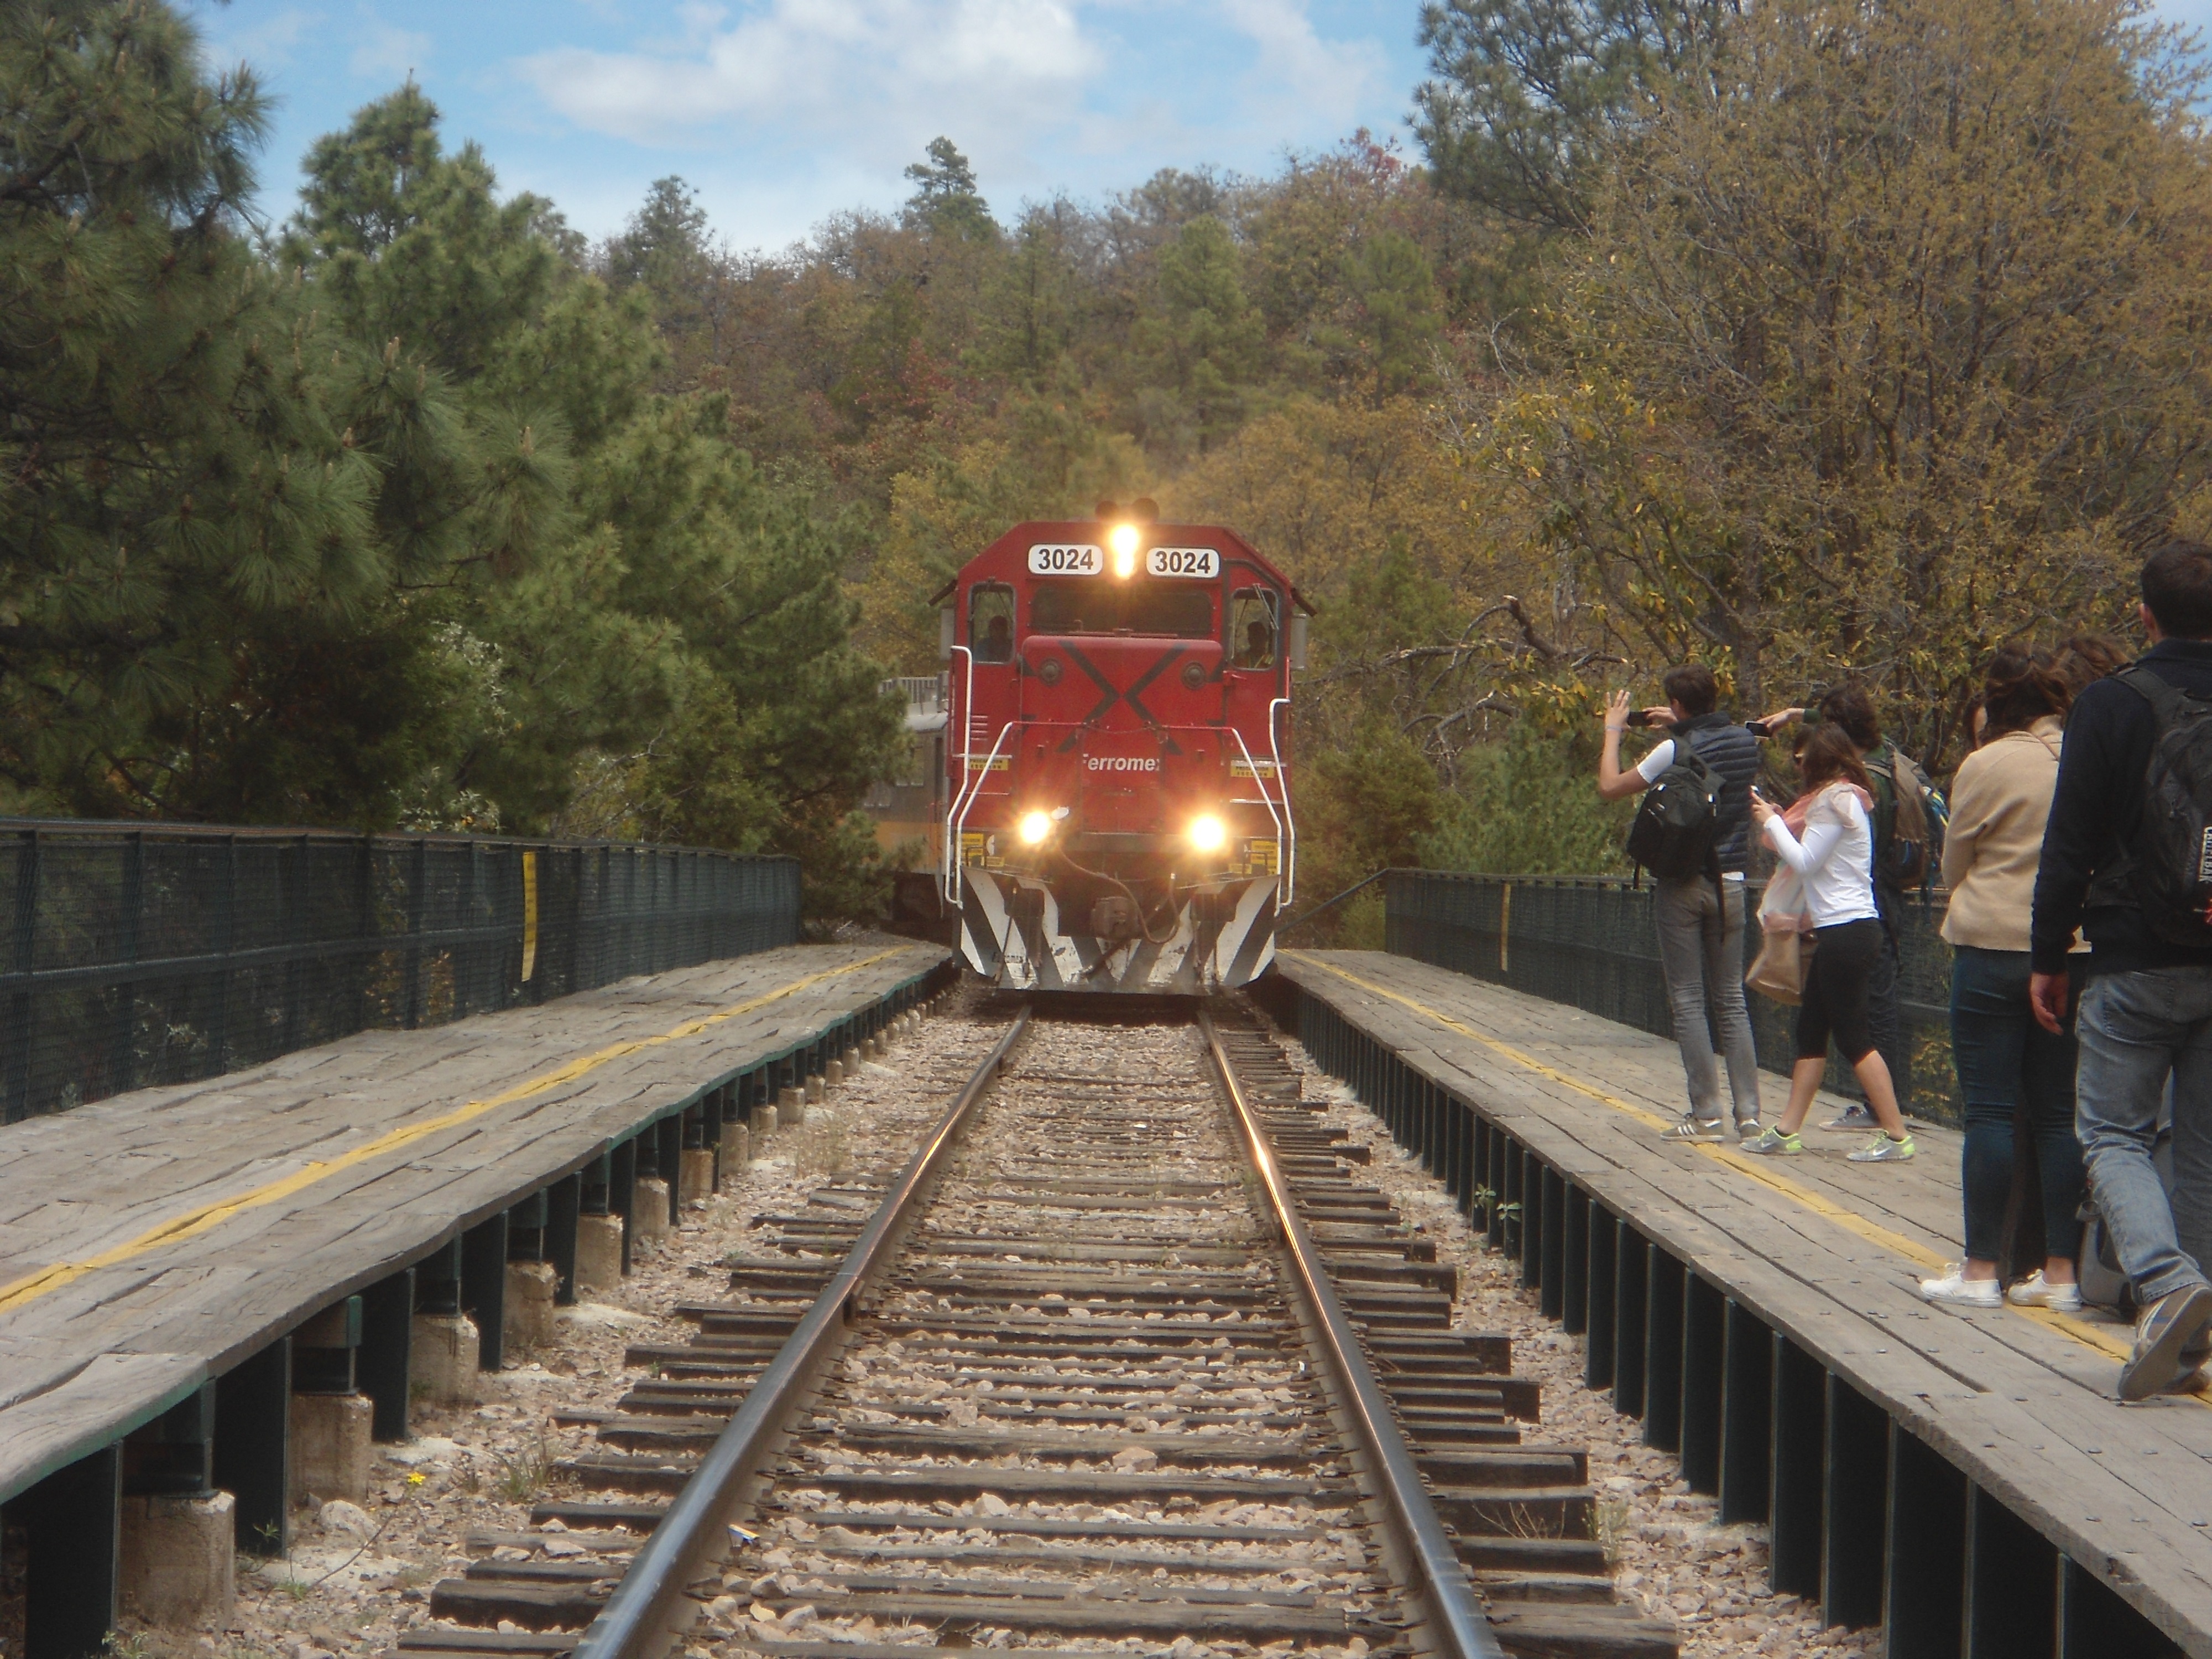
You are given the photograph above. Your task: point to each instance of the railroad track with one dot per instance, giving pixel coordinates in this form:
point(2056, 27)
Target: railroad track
point(1127, 1358)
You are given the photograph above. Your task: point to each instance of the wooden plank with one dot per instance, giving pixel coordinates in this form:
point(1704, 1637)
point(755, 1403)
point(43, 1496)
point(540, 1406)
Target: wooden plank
point(235, 1279)
point(2023, 1407)
point(110, 1396)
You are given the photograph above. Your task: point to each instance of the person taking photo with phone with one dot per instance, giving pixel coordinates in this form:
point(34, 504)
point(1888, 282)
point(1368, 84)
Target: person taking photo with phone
point(1834, 860)
point(1700, 914)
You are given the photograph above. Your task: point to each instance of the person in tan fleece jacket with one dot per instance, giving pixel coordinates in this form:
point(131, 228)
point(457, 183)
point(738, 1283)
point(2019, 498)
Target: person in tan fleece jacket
point(1999, 802)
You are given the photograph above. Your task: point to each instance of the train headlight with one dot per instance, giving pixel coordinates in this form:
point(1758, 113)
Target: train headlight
point(1122, 538)
point(1208, 834)
point(1036, 827)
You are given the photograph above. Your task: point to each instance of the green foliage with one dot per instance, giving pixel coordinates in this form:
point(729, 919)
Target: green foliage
point(1397, 320)
point(1528, 805)
point(1201, 346)
point(1367, 804)
point(174, 444)
point(664, 244)
point(1875, 340)
point(945, 197)
point(1530, 96)
point(394, 528)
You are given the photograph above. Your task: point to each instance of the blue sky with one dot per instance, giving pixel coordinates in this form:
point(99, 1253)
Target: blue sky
point(784, 112)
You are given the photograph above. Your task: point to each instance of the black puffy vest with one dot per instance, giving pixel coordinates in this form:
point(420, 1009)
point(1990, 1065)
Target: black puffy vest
point(1733, 752)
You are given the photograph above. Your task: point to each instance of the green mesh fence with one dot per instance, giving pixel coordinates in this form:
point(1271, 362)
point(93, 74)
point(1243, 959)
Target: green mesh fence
point(155, 954)
point(1591, 942)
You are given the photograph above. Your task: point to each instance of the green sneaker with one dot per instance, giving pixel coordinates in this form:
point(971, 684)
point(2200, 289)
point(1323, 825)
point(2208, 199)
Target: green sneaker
point(1771, 1140)
point(1694, 1127)
point(1882, 1150)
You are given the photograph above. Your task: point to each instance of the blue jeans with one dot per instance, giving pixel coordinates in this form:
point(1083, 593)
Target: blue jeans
point(2134, 1029)
point(2006, 1061)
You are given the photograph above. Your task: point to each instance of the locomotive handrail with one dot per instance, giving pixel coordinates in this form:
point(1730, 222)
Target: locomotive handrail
point(1266, 799)
point(967, 804)
point(1289, 859)
point(950, 880)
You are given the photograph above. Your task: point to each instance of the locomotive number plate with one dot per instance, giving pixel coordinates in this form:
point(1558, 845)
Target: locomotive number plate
point(1183, 562)
point(1067, 560)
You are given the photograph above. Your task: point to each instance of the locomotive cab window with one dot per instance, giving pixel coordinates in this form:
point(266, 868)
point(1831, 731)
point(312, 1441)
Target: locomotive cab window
point(1182, 611)
point(991, 621)
point(1252, 628)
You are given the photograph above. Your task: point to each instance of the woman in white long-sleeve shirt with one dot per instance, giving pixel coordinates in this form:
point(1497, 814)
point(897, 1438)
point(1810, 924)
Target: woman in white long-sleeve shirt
point(1835, 862)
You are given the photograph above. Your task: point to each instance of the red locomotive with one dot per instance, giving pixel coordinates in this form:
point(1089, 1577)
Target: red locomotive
point(1117, 755)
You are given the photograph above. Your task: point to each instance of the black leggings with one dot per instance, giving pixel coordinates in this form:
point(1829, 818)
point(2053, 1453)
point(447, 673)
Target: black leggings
point(1835, 999)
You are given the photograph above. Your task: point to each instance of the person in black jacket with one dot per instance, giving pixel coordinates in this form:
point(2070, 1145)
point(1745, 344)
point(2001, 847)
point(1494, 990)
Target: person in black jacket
point(2147, 1008)
point(1700, 924)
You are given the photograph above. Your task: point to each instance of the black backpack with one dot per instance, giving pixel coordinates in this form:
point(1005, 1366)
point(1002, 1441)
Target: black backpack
point(1677, 829)
point(2169, 861)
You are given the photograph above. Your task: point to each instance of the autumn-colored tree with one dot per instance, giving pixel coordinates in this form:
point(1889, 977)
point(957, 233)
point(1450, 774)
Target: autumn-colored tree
point(1888, 343)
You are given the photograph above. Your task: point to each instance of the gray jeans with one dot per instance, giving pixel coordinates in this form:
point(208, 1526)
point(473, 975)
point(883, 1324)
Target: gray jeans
point(2134, 1029)
point(1701, 951)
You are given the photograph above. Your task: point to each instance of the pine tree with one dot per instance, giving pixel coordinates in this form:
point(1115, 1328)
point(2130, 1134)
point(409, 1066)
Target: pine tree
point(173, 459)
point(1528, 94)
point(945, 197)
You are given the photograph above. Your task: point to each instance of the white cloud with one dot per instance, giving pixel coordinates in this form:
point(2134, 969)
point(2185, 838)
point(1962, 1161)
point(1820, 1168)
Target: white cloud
point(1330, 81)
point(875, 79)
point(383, 52)
point(268, 44)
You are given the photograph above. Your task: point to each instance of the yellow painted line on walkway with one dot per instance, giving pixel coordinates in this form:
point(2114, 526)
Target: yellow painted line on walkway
point(2113, 1343)
point(22, 1291)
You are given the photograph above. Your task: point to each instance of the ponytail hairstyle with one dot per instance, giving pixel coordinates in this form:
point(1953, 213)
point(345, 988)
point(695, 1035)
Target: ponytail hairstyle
point(1831, 756)
point(2021, 685)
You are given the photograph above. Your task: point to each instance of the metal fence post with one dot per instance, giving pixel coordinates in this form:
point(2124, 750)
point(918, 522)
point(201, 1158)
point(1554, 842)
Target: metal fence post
point(124, 1012)
point(365, 927)
point(418, 878)
point(23, 959)
point(295, 894)
point(577, 980)
point(226, 938)
point(468, 955)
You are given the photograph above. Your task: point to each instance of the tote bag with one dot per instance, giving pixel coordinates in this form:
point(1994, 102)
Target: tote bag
point(1785, 951)
point(1778, 971)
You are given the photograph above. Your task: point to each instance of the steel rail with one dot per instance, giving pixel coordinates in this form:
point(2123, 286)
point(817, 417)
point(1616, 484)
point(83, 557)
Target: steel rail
point(642, 1615)
point(1456, 1618)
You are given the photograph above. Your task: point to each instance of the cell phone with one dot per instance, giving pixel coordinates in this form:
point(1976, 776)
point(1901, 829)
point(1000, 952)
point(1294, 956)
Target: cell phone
point(1639, 717)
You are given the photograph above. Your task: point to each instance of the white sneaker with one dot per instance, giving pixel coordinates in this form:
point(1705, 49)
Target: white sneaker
point(1955, 1288)
point(2037, 1291)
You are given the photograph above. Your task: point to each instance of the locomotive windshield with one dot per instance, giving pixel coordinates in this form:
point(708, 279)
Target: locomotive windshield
point(1252, 628)
point(1177, 610)
point(991, 621)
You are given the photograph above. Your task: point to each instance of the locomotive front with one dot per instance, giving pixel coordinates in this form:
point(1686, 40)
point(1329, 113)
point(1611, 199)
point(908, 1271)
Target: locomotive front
point(1120, 815)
